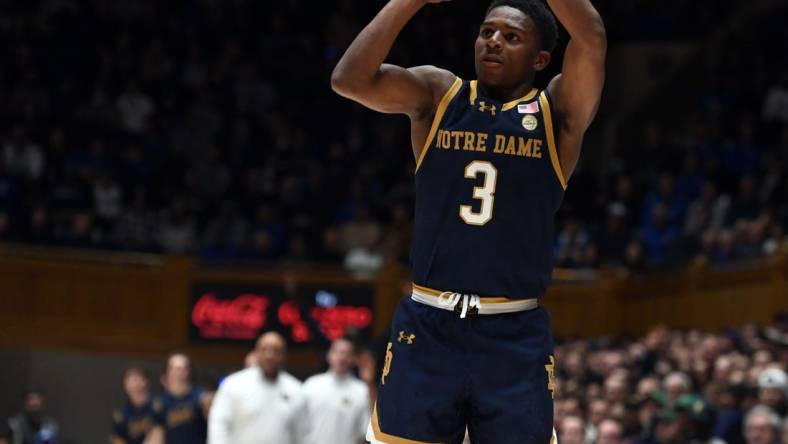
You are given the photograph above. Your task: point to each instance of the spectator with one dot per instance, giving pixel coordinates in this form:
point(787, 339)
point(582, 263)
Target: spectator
point(136, 421)
point(33, 425)
point(773, 390)
point(337, 402)
point(107, 198)
point(697, 418)
point(178, 231)
point(610, 432)
point(571, 243)
point(669, 429)
point(761, 426)
point(745, 205)
point(226, 234)
point(134, 109)
point(599, 410)
point(673, 205)
point(571, 431)
point(616, 389)
point(709, 210)
point(659, 236)
point(39, 230)
point(22, 156)
point(183, 408)
point(634, 258)
point(615, 235)
point(134, 230)
point(775, 102)
point(676, 384)
point(360, 240)
point(261, 404)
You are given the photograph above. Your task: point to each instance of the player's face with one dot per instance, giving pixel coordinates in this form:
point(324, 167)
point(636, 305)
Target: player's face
point(135, 386)
point(507, 49)
point(178, 369)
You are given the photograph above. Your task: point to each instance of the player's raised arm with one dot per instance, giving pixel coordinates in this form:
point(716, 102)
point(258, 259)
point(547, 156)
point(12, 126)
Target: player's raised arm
point(362, 76)
point(577, 90)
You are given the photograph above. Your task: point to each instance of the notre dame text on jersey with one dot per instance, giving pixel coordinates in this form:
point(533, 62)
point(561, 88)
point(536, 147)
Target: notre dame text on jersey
point(488, 184)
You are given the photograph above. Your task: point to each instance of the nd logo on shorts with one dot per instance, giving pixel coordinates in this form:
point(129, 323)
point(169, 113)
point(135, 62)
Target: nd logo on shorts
point(387, 364)
point(551, 376)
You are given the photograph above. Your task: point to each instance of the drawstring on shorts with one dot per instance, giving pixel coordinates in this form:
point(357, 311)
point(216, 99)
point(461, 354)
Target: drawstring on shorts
point(450, 300)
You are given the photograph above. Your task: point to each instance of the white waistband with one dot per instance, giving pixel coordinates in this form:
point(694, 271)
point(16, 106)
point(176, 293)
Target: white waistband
point(449, 301)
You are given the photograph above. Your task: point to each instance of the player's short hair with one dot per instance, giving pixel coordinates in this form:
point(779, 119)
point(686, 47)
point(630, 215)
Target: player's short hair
point(166, 367)
point(137, 371)
point(541, 16)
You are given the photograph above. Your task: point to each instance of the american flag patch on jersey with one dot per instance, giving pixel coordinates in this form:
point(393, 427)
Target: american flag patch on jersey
point(528, 108)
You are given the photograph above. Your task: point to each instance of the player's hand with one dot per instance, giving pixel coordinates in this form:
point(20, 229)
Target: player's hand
point(434, 1)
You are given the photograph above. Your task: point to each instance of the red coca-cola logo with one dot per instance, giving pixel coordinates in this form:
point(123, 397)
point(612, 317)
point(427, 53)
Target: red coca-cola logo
point(242, 317)
point(334, 321)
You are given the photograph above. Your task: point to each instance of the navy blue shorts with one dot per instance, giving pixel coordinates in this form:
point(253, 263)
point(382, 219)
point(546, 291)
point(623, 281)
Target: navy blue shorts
point(490, 373)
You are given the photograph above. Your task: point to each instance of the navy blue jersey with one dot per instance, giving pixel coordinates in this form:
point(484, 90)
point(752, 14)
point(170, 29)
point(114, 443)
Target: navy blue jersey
point(183, 418)
point(131, 424)
point(488, 184)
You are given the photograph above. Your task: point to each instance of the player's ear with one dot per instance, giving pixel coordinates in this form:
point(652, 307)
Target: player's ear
point(542, 60)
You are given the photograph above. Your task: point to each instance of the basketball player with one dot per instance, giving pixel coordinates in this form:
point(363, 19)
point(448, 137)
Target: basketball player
point(183, 408)
point(493, 156)
point(135, 422)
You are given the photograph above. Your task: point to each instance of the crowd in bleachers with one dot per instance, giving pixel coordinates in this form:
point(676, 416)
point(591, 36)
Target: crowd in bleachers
point(673, 387)
point(706, 178)
point(209, 128)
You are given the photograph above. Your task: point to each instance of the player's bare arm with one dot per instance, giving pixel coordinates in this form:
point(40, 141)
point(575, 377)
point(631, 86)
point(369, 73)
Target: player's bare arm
point(362, 76)
point(577, 90)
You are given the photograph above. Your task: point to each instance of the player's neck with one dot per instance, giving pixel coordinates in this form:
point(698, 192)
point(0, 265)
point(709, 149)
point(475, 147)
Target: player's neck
point(504, 95)
point(179, 389)
point(139, 401)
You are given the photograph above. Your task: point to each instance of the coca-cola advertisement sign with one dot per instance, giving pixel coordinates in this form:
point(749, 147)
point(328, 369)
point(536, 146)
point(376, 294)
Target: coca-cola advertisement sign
point(239, 318)
point(305, 315)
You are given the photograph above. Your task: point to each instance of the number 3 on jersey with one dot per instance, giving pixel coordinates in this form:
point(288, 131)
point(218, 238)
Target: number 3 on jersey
point(485, 193)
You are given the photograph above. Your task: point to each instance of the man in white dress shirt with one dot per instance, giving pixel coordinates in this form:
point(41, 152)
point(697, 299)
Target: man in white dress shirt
point(262, 404)
point(337, 401)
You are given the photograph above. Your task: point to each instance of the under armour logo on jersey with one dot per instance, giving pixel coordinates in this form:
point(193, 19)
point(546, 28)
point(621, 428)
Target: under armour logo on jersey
point(409, 339)
point(484, 108)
